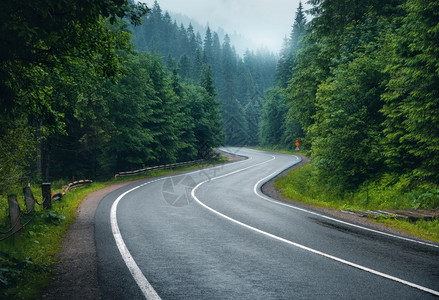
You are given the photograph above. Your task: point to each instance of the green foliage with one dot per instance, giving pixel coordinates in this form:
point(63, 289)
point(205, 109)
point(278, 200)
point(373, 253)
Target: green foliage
point(303, 185)
point(53, 58)
point(235, 79)
point(347, 129)
point(364, 91)
point(292, 45)
point(424, 199)
point(51, 216)
point(12, 270)
point(17, 148)
point(273, 117)
point(412, 96)
point(40, 35)
point(391, 191)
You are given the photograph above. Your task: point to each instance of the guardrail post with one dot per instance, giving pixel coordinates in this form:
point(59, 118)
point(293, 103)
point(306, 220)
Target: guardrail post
point(47, 195)
point(29, 199)
point(14, 213)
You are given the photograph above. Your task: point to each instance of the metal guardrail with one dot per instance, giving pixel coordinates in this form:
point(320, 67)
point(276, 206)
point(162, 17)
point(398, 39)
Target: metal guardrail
point(76, 184)
point(30, 201)
point(160, 167)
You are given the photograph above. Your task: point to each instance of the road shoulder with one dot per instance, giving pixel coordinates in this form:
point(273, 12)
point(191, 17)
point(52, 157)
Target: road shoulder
point(76, 273)
point(270, 190)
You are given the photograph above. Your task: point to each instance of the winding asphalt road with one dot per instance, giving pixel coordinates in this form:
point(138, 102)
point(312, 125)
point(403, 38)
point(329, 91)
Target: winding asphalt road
point(212, 234)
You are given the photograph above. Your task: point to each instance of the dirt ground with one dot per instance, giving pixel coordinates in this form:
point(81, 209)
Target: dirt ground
point(76, 273)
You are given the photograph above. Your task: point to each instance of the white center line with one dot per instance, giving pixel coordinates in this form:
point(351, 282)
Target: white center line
point(357, 266)
point(143, 283)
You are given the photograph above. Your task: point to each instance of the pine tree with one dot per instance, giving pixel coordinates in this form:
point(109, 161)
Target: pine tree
point(208, 46)
point(207, 81)
point(253, 112)
point(273, 118)
point(290, 48)
point(412, 96)
point(299, 27)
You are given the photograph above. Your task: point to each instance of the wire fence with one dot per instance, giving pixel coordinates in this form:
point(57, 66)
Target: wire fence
point(16, 214)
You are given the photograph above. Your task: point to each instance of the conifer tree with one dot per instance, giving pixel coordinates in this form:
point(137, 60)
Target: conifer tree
point(290, 48)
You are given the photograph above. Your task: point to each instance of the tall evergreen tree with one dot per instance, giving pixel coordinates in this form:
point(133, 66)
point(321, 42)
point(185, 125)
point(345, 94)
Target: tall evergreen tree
point(253, 112)
point(208, 46)
point(273, 117)
point(290, 48)
point(412, 96)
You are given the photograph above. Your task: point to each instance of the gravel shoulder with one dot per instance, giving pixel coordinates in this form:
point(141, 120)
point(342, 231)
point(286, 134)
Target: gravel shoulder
point(76, 273)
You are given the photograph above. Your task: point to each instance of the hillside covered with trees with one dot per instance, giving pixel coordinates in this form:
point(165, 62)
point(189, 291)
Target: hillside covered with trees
point(77, 101)
point(239, 82)
point(84, 93)
point(358, 85)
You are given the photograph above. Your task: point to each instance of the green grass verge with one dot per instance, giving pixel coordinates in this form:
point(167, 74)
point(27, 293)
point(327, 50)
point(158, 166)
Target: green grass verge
point(280, 150)
point(27, 259)
point(301, 186)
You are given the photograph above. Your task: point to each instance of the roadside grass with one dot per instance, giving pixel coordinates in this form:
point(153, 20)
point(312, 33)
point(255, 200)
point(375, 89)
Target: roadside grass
point(301, 186)
point(280, 150)
point(27, 259)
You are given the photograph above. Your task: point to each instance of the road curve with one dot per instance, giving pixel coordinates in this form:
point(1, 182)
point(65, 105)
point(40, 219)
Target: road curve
point(212, 234)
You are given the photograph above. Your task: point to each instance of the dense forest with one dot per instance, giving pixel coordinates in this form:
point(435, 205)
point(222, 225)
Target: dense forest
point(118, 86)
point(359, 86)
point(78, 101)
point(239, 82)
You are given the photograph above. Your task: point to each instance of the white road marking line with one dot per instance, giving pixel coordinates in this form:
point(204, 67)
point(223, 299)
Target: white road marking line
point(357, 266)
point(143, 283)
point(256, 191)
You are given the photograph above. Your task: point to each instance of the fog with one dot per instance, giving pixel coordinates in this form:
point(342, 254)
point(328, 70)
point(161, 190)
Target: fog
point(262, 22)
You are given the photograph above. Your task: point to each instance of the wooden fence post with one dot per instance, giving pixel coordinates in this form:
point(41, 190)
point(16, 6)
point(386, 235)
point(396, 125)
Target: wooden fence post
point(47, 195)
point(14, 213)
point(29, 199)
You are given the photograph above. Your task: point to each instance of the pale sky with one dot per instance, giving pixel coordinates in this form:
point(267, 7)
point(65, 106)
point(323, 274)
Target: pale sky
point(264, 22)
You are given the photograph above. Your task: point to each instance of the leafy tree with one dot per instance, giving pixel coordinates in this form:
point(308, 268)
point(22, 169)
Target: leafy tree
point(45, 43)
point(17, 153)
point(39, 34)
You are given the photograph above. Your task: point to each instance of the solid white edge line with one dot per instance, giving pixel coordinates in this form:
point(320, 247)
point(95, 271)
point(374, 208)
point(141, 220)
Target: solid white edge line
point(256, 190)
point(143, 283)
point(357, 266)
